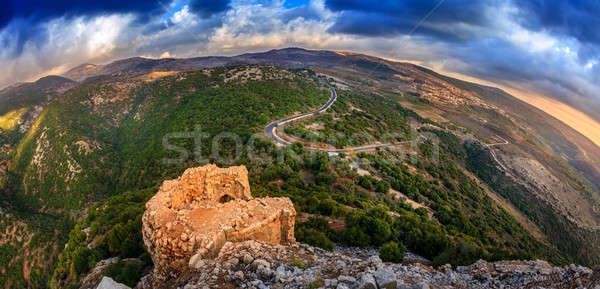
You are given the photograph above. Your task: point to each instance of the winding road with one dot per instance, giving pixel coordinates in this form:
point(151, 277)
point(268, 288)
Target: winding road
point(271, 131)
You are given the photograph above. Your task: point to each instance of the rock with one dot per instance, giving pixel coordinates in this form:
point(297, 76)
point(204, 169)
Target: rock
point(385, 278)
point(239, 275)
point(331, 282)
point(421, 285)
point(191, 218)
point(196, 261)
point(445, 268)
point(281, 274)
point(375, 261)
point(367, 281)
point(262, 268)
point(247, 259)
point(259, 284)
point(347, 279)
point(260, 262)
point(480, 267)
point(92, 279)
point(109, 283)
point(342, 286)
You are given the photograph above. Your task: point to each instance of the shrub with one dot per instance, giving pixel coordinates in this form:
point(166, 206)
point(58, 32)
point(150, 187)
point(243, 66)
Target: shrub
point(80, 260)
point(298, 263)
point(463, 253)
point(318, 283)
point(355, 237)
point(367, 227)
point(127, 273)
point(125, 239)
point(382, 187)
point(327, 207)
point(324, 179)
point(392, 252)
point(314, 238)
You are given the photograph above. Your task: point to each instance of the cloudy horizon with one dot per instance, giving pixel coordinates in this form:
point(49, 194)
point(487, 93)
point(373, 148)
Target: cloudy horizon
point(526, 44)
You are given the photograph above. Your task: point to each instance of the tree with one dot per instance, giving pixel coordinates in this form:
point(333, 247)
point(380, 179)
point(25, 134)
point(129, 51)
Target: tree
point(382, 187)
point(126, 239)
point(392, 252)
point(297, 148)
point(355, 237)
point(80, 260)
point(327, 207)
point(314, 238)
point(463, 253)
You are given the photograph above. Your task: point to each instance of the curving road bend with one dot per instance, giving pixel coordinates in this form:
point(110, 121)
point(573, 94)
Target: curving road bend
point(271, 131)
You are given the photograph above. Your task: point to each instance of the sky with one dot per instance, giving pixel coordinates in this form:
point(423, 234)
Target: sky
point(548, 47)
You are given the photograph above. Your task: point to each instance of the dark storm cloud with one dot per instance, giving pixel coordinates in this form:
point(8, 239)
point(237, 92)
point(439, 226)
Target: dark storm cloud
point(24, 20)
point(38, 11)
point(384, 18)
point(579, 19)
point(502, 62)
point(206, 8)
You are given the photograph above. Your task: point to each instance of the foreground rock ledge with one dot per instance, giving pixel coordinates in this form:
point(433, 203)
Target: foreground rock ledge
point(193, 216)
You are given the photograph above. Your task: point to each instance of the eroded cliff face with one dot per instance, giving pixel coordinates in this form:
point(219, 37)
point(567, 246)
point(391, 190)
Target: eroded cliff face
point(192, 217)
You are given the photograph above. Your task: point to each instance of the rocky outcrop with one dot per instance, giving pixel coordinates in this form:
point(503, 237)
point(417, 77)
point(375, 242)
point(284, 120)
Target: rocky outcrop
point(192, 217)
point(94, 277)
point(109, 283)
point(252, 264)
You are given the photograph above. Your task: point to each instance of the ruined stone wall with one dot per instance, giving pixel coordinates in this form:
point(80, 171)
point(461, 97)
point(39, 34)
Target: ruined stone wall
point(192, 217)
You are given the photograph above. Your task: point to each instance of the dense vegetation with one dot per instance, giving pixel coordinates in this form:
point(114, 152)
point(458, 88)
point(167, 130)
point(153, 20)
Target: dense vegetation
point(104, 138)
point(123, 158)
point(357, 119)
point(114, 228)
point(465, 225)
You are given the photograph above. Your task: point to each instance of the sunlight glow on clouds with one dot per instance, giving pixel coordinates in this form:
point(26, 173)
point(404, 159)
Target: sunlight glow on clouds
point(69, 42)
point(257, 26)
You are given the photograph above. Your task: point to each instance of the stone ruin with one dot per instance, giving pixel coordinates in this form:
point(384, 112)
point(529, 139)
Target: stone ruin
point(193, 216)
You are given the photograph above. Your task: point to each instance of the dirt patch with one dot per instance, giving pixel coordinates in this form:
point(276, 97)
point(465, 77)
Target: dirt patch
point(415, 205)
point(157, 74)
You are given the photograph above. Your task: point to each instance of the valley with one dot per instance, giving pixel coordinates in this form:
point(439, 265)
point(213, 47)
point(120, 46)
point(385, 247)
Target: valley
point(465, 170)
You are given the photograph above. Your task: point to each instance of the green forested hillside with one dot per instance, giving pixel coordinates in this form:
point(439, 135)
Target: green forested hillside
point(463, 219)
point(104, 138)
point(98, 152)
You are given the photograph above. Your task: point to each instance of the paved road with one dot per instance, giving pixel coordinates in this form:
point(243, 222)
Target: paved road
point(489, 146)
point(271, 131)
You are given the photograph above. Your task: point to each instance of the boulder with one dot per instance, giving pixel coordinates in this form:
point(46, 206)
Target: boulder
point(94, 277)
point(109, 283)
point(367, 281)
point(385, 278)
